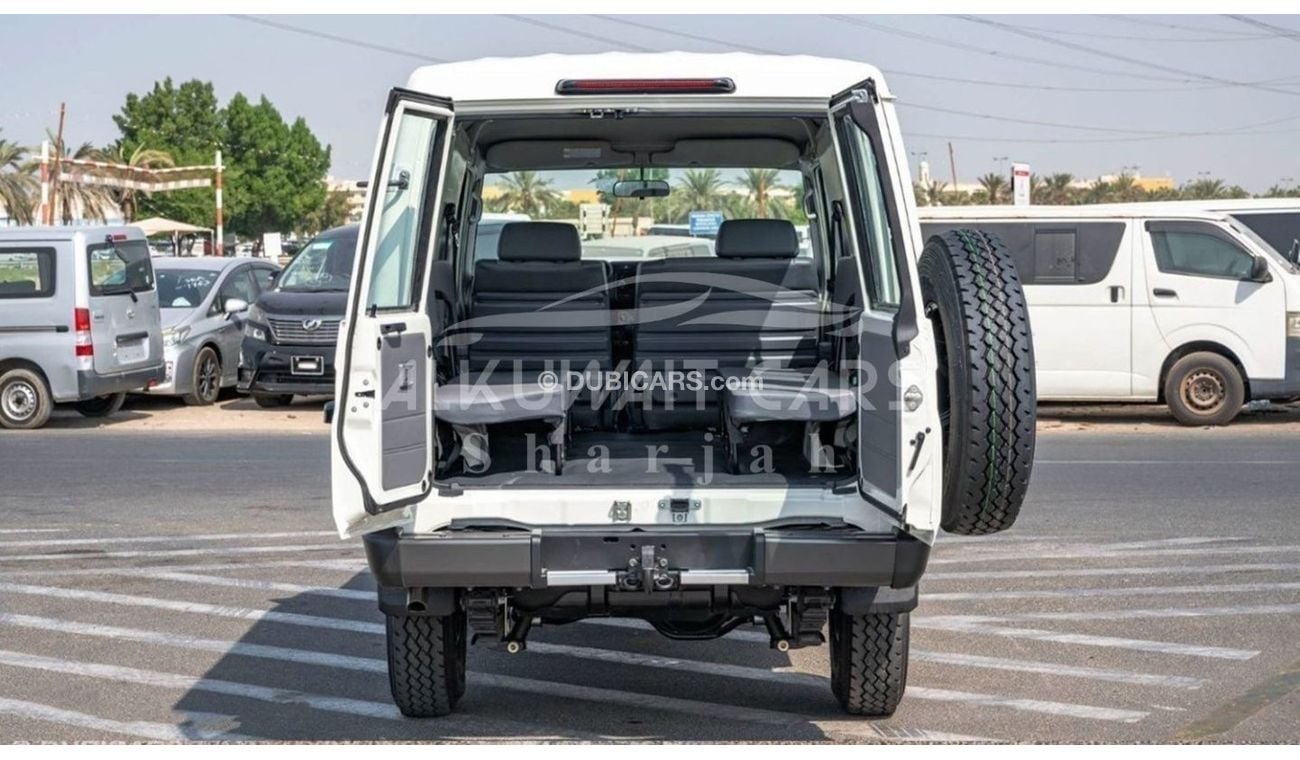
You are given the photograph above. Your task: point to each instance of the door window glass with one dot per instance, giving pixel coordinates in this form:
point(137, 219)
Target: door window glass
point(26, 273)
point(1200, 253)
point(264, 278)
point(237, 285)
point(400, 211)
point(875, 238)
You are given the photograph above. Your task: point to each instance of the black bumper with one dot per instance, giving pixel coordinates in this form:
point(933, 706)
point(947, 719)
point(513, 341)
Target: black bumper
point(268, 368)
point(550, 558)
point(91, 384)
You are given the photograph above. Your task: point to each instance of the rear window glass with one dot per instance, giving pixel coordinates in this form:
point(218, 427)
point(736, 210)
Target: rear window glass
point(325, 264)
point(1280, 230)
point(1052, 253)
point(183, 288)
point(119, 267)
point(26, 273)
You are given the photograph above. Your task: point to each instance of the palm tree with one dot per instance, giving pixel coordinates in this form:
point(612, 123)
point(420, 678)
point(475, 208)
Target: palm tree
point(697, 190)
point(140, 158)
point(72, 199)
point(1204, 189)
point(527, 193)
point(16, 184)
point(1057, 189)
point(760, 184)
point(996, 186)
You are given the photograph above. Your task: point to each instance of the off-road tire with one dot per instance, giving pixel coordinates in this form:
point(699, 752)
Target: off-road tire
point(1223, 389)
point(29, 397)
point(426, 663)
point(273, 400)
point(987, 397)
point(206, 363)
point(101, 406)
point(869, 661)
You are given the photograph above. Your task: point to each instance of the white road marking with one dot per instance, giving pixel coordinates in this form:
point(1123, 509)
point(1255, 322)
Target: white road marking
point(200, 608)
point(810, 679)
point(1179, 462)
point(244, 583)
point(159, 732)
point(694, 708)
point(33, 530)
point(351, 566)
point(1086, 572)
point(177, 539)
point(1165, 612)
point(1105, 554)
point(324, 703)
point(151, 554)
point(983, 627)
point(1077, 593)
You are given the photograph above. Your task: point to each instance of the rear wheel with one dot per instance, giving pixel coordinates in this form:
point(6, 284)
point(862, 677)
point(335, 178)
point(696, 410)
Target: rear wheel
point(101, 406)
point(426, 663)
point(25, 401)
point(869, 661)
point(271, 401)
point(1204, 388)
point(206, 383)
point(975, 302)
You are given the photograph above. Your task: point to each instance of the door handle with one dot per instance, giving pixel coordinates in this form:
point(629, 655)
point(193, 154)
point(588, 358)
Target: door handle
point(393, 328)
point(1164, 293)
point(1116, 293)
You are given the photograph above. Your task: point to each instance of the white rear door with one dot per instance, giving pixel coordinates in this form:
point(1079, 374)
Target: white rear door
point(383, 423)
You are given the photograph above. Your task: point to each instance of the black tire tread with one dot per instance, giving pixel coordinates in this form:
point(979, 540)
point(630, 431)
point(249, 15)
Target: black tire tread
point(869, 662)
point(426, 664)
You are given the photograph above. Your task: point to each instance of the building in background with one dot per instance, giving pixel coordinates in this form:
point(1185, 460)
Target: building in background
point(356, 196)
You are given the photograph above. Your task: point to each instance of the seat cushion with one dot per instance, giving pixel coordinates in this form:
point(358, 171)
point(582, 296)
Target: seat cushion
point(767, 395)
point(482, 398)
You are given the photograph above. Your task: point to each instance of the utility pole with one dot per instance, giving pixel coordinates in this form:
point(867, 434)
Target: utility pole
point(952, 164)
point(219, 245)
point(58, 159)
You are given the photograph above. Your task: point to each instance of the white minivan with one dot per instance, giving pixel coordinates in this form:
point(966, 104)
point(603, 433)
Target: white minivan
point(700, 442)
point(1150, 302)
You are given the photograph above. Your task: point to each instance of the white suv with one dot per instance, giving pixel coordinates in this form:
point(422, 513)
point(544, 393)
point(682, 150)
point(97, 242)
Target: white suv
point(751, 437)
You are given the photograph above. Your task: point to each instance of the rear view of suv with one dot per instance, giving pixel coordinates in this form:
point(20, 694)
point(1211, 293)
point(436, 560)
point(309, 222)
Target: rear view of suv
point(79, 321)
point(290, 332)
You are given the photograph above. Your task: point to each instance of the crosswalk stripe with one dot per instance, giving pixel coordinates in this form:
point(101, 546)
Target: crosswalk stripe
point(1087, 572)
point(244, 583)
point(7, 531)
point(164, 539)
point(350, 566)
point(810, 679)
point(277, 695)
point(640, 701)
point(161, 732)
point(975, 661)
point(1077, 593)
point(984, 627)
point(152, 554)
point(1164, 612)
point(1078, 554)
point(201, 608)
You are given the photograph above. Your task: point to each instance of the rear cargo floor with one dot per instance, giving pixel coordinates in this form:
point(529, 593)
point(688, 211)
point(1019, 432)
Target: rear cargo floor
point(667, 460)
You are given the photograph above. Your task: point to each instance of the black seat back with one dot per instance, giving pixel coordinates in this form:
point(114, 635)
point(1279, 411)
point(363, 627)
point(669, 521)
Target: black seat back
point(538, 304)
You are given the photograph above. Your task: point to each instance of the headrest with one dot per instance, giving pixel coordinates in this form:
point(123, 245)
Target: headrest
point(757, 239)
point(539, 241)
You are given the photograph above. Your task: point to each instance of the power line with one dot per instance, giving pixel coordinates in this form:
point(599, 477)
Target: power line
point(337, 38)
point(1227, 131)
point(1161, 24)
point(1226, 36)
point(684, 35)
point(1115, 56)
point(1093, 140)
point(1280, 31)
point(576, 33)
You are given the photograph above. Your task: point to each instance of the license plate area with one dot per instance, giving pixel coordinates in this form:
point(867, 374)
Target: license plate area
point(307, 365)
point(132, 353)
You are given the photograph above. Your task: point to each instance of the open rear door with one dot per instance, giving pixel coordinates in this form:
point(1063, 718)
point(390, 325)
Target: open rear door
point(870, 228)
point(382, 443)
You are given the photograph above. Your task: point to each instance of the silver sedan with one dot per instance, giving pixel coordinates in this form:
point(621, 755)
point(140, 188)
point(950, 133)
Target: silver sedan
point(203, 300)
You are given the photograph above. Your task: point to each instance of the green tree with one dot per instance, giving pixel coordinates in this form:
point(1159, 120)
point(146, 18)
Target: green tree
point(527, 192)
point(697, 190)
point(996, 187)
point(16, 184)
point(141, 158)
point(334, 211)
point(73, 200)
point(1056, 190)
point(767, 196)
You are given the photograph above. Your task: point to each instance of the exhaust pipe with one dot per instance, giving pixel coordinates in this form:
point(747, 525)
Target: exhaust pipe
point(417, 600)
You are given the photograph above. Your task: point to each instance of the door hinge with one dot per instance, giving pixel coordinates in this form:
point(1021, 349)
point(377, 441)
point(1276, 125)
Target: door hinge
point(871, 91)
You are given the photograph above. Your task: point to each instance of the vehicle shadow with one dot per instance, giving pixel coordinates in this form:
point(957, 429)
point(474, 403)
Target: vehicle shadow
point(576, 682)
point(1117, 417)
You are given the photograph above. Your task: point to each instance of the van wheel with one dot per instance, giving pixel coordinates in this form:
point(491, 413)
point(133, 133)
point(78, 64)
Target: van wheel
point(206, 378)
point(101, 406)
point(975, 302)
point(869, 661)
point(25, 402)
point(426, 663)
point(272, 401)
point(1204, 388)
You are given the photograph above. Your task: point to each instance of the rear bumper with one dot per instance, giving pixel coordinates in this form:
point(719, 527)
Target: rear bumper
point(560, 557)
point(91, 384)
point(268, 368)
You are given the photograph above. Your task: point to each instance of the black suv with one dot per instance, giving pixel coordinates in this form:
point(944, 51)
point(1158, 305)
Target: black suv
point(290, 333)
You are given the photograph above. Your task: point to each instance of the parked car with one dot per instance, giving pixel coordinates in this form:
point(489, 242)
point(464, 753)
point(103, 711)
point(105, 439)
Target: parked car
point(203, 302)
point(855, 401)
point(645, 247)
point(79, 321)
point(290, 332)
point(1150, 302)
point(1276, 221)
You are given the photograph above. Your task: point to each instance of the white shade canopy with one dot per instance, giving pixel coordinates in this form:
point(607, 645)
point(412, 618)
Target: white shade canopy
point(157, 226)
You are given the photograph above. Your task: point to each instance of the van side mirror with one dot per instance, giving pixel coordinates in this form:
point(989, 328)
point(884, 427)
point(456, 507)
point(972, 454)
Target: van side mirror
point(1259, 270)
point(1294, 253)
point(235, 305)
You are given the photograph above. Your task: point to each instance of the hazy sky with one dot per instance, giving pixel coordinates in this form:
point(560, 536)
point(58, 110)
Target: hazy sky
point(1166, 74)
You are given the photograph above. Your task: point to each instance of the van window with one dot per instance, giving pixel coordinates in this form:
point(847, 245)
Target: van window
point(1204, 252)
point(119, 267)
point(876, 240)
point(1052, 253)
point(324, 265)
point(1279, 230)
point(26, 273)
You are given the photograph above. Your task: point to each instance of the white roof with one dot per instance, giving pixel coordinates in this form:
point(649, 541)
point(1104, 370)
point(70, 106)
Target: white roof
point(157, 225)
point(1082, 211)
point(534, 78)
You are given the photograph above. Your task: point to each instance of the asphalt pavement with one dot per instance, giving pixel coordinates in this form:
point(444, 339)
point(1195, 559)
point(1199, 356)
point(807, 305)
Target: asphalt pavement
point(162, 586)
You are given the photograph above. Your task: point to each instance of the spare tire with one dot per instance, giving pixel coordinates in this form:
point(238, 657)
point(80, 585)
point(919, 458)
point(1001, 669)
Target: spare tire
point(985, 358)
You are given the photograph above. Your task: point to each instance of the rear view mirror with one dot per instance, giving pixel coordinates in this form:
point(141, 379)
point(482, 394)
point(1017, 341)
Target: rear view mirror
point(235, 305)
point(641, 188)
point(1259, 270)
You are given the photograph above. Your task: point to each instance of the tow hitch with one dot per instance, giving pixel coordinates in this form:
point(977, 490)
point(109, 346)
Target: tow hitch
point(807, 613)
point(648, 573)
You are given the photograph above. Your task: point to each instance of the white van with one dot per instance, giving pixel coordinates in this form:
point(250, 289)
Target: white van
point(1150, 302)
point(79, 321)
point(700, 442)
point(1276, 221)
